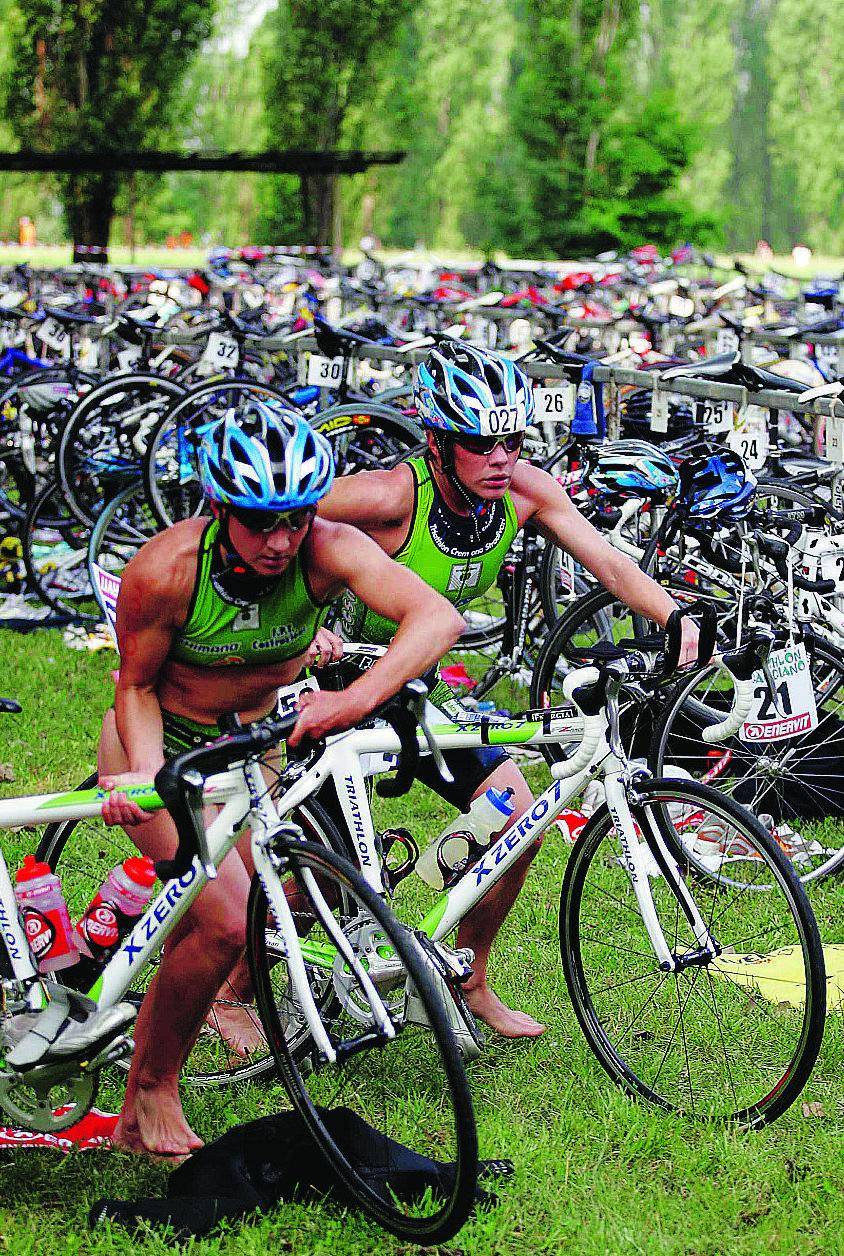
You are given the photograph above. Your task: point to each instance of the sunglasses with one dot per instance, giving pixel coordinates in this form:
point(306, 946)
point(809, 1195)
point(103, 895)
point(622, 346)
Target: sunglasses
point(484, 445)
point(266, 521)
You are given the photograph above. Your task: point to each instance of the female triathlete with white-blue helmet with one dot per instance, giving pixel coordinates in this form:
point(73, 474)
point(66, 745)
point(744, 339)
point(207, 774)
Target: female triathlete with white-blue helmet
point(214, 616)
point(451, 517)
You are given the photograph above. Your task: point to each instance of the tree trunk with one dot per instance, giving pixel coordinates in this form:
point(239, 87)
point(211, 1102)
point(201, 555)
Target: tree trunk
point(89, 208)
point(318, 192)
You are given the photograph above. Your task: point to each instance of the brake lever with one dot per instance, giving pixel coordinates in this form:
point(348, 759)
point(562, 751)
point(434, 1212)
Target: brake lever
point(417, 696)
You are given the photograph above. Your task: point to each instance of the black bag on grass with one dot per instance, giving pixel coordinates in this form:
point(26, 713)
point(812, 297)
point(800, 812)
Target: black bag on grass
point(272, 1160)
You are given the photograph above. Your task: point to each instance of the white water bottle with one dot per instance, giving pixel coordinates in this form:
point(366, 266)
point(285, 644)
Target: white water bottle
point(447, 856)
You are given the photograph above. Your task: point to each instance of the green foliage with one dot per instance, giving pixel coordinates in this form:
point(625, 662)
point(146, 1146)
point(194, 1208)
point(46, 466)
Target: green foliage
point(93, 75)
point(319, 64)
point(600, 159)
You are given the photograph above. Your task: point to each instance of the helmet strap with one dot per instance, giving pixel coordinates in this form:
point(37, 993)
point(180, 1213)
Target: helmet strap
point(445, 449)
point(233, 579)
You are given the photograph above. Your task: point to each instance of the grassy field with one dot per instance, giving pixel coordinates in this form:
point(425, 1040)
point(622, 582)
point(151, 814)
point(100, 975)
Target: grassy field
point(595, 1172)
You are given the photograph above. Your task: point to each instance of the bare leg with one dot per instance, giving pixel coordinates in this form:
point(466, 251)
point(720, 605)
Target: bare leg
point(202, 949)
point(480, 927)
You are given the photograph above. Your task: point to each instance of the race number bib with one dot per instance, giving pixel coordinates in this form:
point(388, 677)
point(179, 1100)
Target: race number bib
point(659, 411)
point(726, 341)
point(749, 437)
point(835, 438)
point(795, 696)
point(222, 353)
point(288, 695)
point(53, 335)
point(555, 405)
point(500, 421)
point(325, 372)
point(715, 416)
point(128, 358)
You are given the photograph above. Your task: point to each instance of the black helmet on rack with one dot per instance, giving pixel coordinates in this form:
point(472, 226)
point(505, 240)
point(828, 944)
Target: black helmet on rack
point(635, 415)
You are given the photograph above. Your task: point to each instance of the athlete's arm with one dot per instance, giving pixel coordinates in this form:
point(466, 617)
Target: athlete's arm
point(377, 502)
point(148, 613)
point(547, 505)
point(341, 556)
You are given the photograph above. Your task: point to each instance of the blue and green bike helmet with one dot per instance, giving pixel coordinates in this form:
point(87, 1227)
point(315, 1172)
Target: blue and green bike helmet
point(462, 390)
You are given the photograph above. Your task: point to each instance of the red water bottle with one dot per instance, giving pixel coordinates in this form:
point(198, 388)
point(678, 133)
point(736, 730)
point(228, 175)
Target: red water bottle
point(120, 900)
point(38, 892)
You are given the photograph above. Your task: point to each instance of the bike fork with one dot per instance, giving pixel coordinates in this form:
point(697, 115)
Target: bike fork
point(633, 853)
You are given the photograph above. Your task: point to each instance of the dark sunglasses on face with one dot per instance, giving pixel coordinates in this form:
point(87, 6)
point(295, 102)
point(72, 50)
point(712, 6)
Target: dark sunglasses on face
point(266, 521)
point(484, 445)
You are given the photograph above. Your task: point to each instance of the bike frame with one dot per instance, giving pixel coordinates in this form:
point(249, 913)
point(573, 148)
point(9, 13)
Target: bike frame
point(341, 762)
point(242, 796)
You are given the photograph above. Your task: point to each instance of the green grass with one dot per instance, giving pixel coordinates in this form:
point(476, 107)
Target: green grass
point(595, 1172)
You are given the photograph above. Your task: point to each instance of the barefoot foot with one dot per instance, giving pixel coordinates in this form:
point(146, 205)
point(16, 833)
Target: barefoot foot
point(487, 1007)
point(155, 1126)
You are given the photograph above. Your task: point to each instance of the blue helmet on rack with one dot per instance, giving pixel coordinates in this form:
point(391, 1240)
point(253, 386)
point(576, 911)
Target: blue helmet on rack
point(262, 456)
point(716, 485)
point(631, 468)
point(464, 390)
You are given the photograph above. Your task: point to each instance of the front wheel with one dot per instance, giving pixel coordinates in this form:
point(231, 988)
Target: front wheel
point(387, 1101)
point(734, 1037)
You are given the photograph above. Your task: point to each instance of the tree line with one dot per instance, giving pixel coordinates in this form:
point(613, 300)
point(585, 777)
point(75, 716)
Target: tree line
point(541, 127)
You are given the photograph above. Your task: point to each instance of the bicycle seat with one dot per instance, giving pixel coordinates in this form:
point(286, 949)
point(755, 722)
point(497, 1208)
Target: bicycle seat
point(70, 318)
point(135, 330)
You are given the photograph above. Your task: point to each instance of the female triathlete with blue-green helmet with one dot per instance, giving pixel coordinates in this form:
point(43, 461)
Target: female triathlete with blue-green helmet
point(214, 616)
point(450, 517)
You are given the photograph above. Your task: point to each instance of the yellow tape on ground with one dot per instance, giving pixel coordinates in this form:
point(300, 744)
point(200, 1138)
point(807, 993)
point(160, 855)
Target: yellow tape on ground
point(778, 977)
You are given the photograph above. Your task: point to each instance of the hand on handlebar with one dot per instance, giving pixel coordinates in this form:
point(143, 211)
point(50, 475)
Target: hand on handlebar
point(689, 642)
point(323, 713)
point(117, 808)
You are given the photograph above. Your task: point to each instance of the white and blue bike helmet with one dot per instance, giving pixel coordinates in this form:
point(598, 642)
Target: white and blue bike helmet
point(263, 456)
point(461, 390)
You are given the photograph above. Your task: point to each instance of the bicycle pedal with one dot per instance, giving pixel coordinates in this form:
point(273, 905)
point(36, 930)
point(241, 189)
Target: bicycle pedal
point(467, 1035)
point(457, 960)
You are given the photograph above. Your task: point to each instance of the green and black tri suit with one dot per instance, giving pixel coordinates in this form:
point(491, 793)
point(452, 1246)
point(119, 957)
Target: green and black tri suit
point(460, 557)
point(226, 630)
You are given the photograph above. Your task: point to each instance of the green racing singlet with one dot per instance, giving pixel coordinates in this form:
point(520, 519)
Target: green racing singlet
point(271, 629)
point(454, 554)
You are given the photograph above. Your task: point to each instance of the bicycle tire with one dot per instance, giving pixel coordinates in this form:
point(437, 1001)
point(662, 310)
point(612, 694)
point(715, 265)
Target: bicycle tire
point(409, 1103)
point(98, 447)
point(55, 546)
point(601, 1009)
point(83, 851)
point(366, 436)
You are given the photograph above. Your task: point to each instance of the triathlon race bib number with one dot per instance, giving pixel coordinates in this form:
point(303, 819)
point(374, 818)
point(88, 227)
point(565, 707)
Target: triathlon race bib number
point(749, 437)
point(325, 372)
point(659, 411)
point(835, 439)
point(795, 697)
point(289, 695)
point(832, 562)
point(715, 416)
point(222, 353)
point(52, 334)
point(555, 405)
point(499, 422)
point(128, 358)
